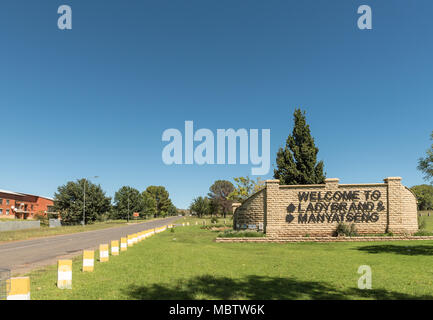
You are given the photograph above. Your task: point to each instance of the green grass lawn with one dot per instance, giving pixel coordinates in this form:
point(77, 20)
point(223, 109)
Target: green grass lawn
point(188, 264)
point(27, 234)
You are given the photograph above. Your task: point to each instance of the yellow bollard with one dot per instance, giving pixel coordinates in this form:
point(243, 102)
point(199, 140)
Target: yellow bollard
point(103, 253)
point(64, 274)
point(88, 260)
point(19, 289)
point(123, 244)
point(115, 247)
point(130, 242)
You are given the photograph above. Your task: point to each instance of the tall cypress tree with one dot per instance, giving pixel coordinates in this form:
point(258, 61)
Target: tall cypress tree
point(297, 161)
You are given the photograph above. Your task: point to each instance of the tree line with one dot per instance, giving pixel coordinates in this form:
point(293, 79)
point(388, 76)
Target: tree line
point(222, 194)
point(129, 203)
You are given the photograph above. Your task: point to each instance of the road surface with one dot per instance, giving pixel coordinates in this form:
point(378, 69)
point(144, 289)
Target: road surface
point(23, 256)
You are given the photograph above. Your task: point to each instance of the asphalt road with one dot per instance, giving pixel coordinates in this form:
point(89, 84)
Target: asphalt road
point(23, 256)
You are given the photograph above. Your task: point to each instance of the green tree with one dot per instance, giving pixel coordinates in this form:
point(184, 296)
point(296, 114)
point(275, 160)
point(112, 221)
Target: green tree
point(172, 210)
point(162, 200)
point(127, 201)
point(214, 207)
point(426, 164)
point(245, 187)
point(424, 196)
point(69, 201)
point(297, 161)
point(149, 205)
point(200, 206)
point(219, 193)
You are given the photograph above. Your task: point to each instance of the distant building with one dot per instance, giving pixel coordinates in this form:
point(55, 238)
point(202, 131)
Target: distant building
point(23, 206)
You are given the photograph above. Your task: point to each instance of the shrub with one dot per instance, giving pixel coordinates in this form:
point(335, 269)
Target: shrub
point(102, 218)
point(42, 218)
point(214, 220)
point(346, 230)
point(422, 223)
point(423, 233)
point(241, 234)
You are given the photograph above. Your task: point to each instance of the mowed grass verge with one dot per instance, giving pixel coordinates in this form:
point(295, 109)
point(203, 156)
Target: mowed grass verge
point(188, 264)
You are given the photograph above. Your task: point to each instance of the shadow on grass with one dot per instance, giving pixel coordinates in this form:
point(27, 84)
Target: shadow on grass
point(256, 288)
point(399, 249)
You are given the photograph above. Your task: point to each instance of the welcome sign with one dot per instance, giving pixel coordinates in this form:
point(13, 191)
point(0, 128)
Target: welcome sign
point(337, 206)
point(299, 210)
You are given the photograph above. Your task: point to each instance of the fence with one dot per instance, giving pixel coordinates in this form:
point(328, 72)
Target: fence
point(19, 225)
point(54, 223)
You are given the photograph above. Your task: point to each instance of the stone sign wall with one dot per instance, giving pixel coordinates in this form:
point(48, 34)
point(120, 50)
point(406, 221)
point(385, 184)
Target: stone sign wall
point(316, 210)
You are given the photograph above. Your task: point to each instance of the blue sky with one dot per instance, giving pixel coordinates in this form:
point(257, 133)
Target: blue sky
point(95, 100)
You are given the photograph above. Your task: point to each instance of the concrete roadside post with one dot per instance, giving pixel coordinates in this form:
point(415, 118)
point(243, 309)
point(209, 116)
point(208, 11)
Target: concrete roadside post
point(123, 244)
point(19, 288)
point(88, 260)
point(115, 247)
point(103, 253)
point(64, 274)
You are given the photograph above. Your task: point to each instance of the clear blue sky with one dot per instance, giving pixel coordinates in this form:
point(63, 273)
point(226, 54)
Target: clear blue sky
point(95, 100)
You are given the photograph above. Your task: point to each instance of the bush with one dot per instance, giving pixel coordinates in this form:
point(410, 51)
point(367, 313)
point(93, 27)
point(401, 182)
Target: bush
point(42, 218)
point(423, 233)
point(214, 220)
point(422, 223)
point(241, 234)
point(346, 230)
point(102, 218)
